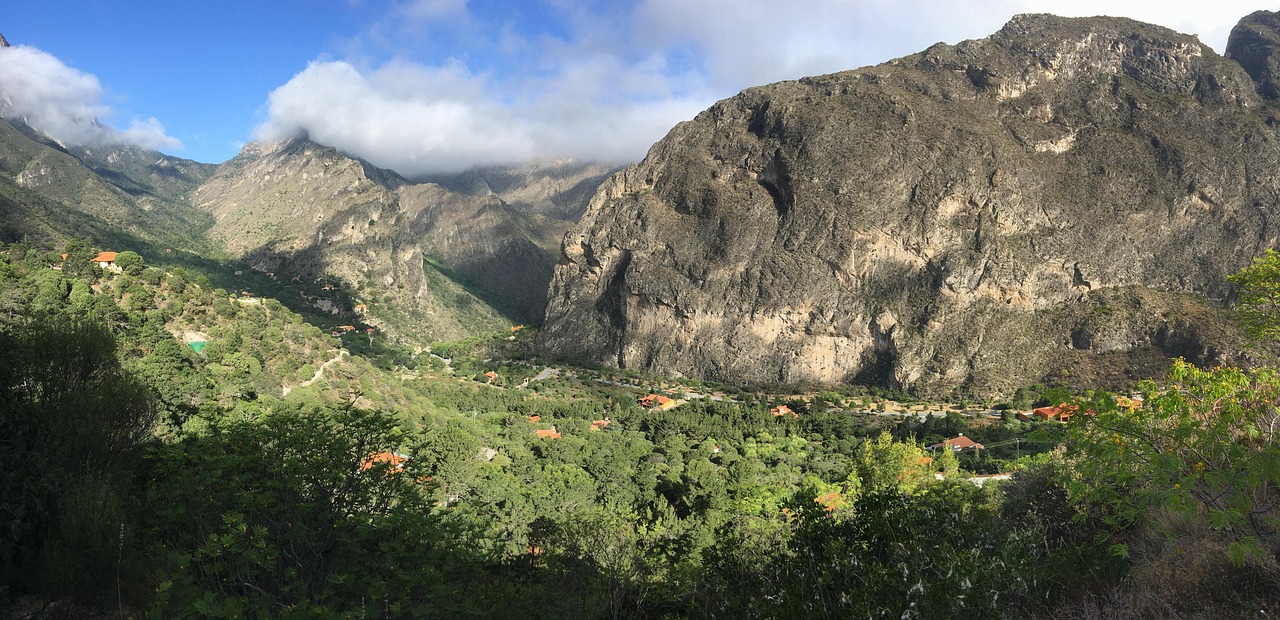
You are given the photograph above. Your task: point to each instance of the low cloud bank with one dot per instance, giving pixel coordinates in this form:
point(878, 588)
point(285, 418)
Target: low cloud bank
point(65, 104)
point(415, 119)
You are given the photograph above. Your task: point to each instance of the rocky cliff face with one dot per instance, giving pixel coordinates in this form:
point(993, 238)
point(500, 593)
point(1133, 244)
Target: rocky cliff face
point(428, 263)
point(971, 218)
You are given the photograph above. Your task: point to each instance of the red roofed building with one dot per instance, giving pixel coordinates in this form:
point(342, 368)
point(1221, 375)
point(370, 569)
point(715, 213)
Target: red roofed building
point(599, 424)
point(782, 410)
point(957, 444)
point(547, 433)
point(106, 260)
point(654, 400)
point(1060, 413)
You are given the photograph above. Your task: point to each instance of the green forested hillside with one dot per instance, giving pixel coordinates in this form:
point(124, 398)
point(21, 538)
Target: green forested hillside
point(279, 470)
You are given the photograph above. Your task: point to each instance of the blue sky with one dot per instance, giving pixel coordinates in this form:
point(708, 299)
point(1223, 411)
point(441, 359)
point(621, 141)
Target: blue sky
point(436, 85)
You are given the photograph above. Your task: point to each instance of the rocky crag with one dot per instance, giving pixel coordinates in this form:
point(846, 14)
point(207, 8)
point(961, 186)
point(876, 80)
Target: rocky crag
point(1064, 194)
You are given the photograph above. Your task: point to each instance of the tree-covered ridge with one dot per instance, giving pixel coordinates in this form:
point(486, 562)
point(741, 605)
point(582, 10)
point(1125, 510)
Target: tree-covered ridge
point(145, 478)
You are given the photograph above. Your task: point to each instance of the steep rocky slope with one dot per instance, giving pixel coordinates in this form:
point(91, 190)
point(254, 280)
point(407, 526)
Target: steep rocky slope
point(429, 263)
point(108, 192)
point(971, 218)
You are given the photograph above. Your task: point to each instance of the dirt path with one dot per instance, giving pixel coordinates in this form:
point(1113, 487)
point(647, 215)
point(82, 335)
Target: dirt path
point(317, 376)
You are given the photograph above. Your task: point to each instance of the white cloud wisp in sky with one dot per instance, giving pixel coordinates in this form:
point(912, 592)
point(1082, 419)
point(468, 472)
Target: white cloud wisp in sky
point(65, 104)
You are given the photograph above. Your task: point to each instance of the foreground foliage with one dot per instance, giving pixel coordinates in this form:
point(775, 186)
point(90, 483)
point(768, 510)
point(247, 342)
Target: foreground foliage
point(144, 477)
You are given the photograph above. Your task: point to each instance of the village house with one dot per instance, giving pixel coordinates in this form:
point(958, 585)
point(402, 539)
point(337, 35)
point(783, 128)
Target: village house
point(782, 410)
point(599, 424)
point(1058, 413)
point(653, 400)
point(958, 444)
point(107, 260)
point(547, 433)
point(659, 402)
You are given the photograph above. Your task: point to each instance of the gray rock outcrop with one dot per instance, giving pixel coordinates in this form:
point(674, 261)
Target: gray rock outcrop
point(970, 218)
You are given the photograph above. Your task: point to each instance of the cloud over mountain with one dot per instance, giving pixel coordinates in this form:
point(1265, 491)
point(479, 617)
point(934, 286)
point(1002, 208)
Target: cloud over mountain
point(66, 104)
point(479, 83)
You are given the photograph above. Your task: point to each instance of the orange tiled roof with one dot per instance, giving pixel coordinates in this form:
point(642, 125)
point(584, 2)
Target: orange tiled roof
point(1060, 413)
point(547, 433)
point(105, 257)
point(395, 462)
point(534, 418)
point(782, 410)
point(653, 400)
point(599, 424)
point(959, 443)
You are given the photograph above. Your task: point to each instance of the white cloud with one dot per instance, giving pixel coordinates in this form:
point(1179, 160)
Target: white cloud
point(416, 119)
point(408, 118)
point(148, 133)
point(433, 9)
point(64, 103)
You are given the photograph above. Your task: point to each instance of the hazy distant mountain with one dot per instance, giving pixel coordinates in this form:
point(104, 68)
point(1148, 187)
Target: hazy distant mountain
point(428, 262)
point(1061, 198)
point(557, 189)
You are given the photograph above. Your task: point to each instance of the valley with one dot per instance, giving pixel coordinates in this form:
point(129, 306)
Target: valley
point(985, 331)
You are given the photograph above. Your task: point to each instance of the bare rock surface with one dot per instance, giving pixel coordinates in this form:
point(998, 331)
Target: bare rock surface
point(970, 218)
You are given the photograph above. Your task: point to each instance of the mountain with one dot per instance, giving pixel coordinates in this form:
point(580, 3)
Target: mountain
point(1064, 195)
point(111, 193)
point(555, 192)
point(428, 262)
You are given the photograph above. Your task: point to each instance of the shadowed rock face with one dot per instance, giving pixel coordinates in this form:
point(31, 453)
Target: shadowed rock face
point(971, 217)
point(1255, 44)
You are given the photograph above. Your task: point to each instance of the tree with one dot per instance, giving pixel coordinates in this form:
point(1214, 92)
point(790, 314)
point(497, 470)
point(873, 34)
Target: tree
point(884, 464)
point(130, 262)
point(1206, 442)
point(1258, 295)
point(72, 427)
point(292, 514)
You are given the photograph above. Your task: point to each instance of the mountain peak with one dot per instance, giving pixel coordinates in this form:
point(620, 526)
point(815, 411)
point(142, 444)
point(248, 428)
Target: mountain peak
point(971, 218)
